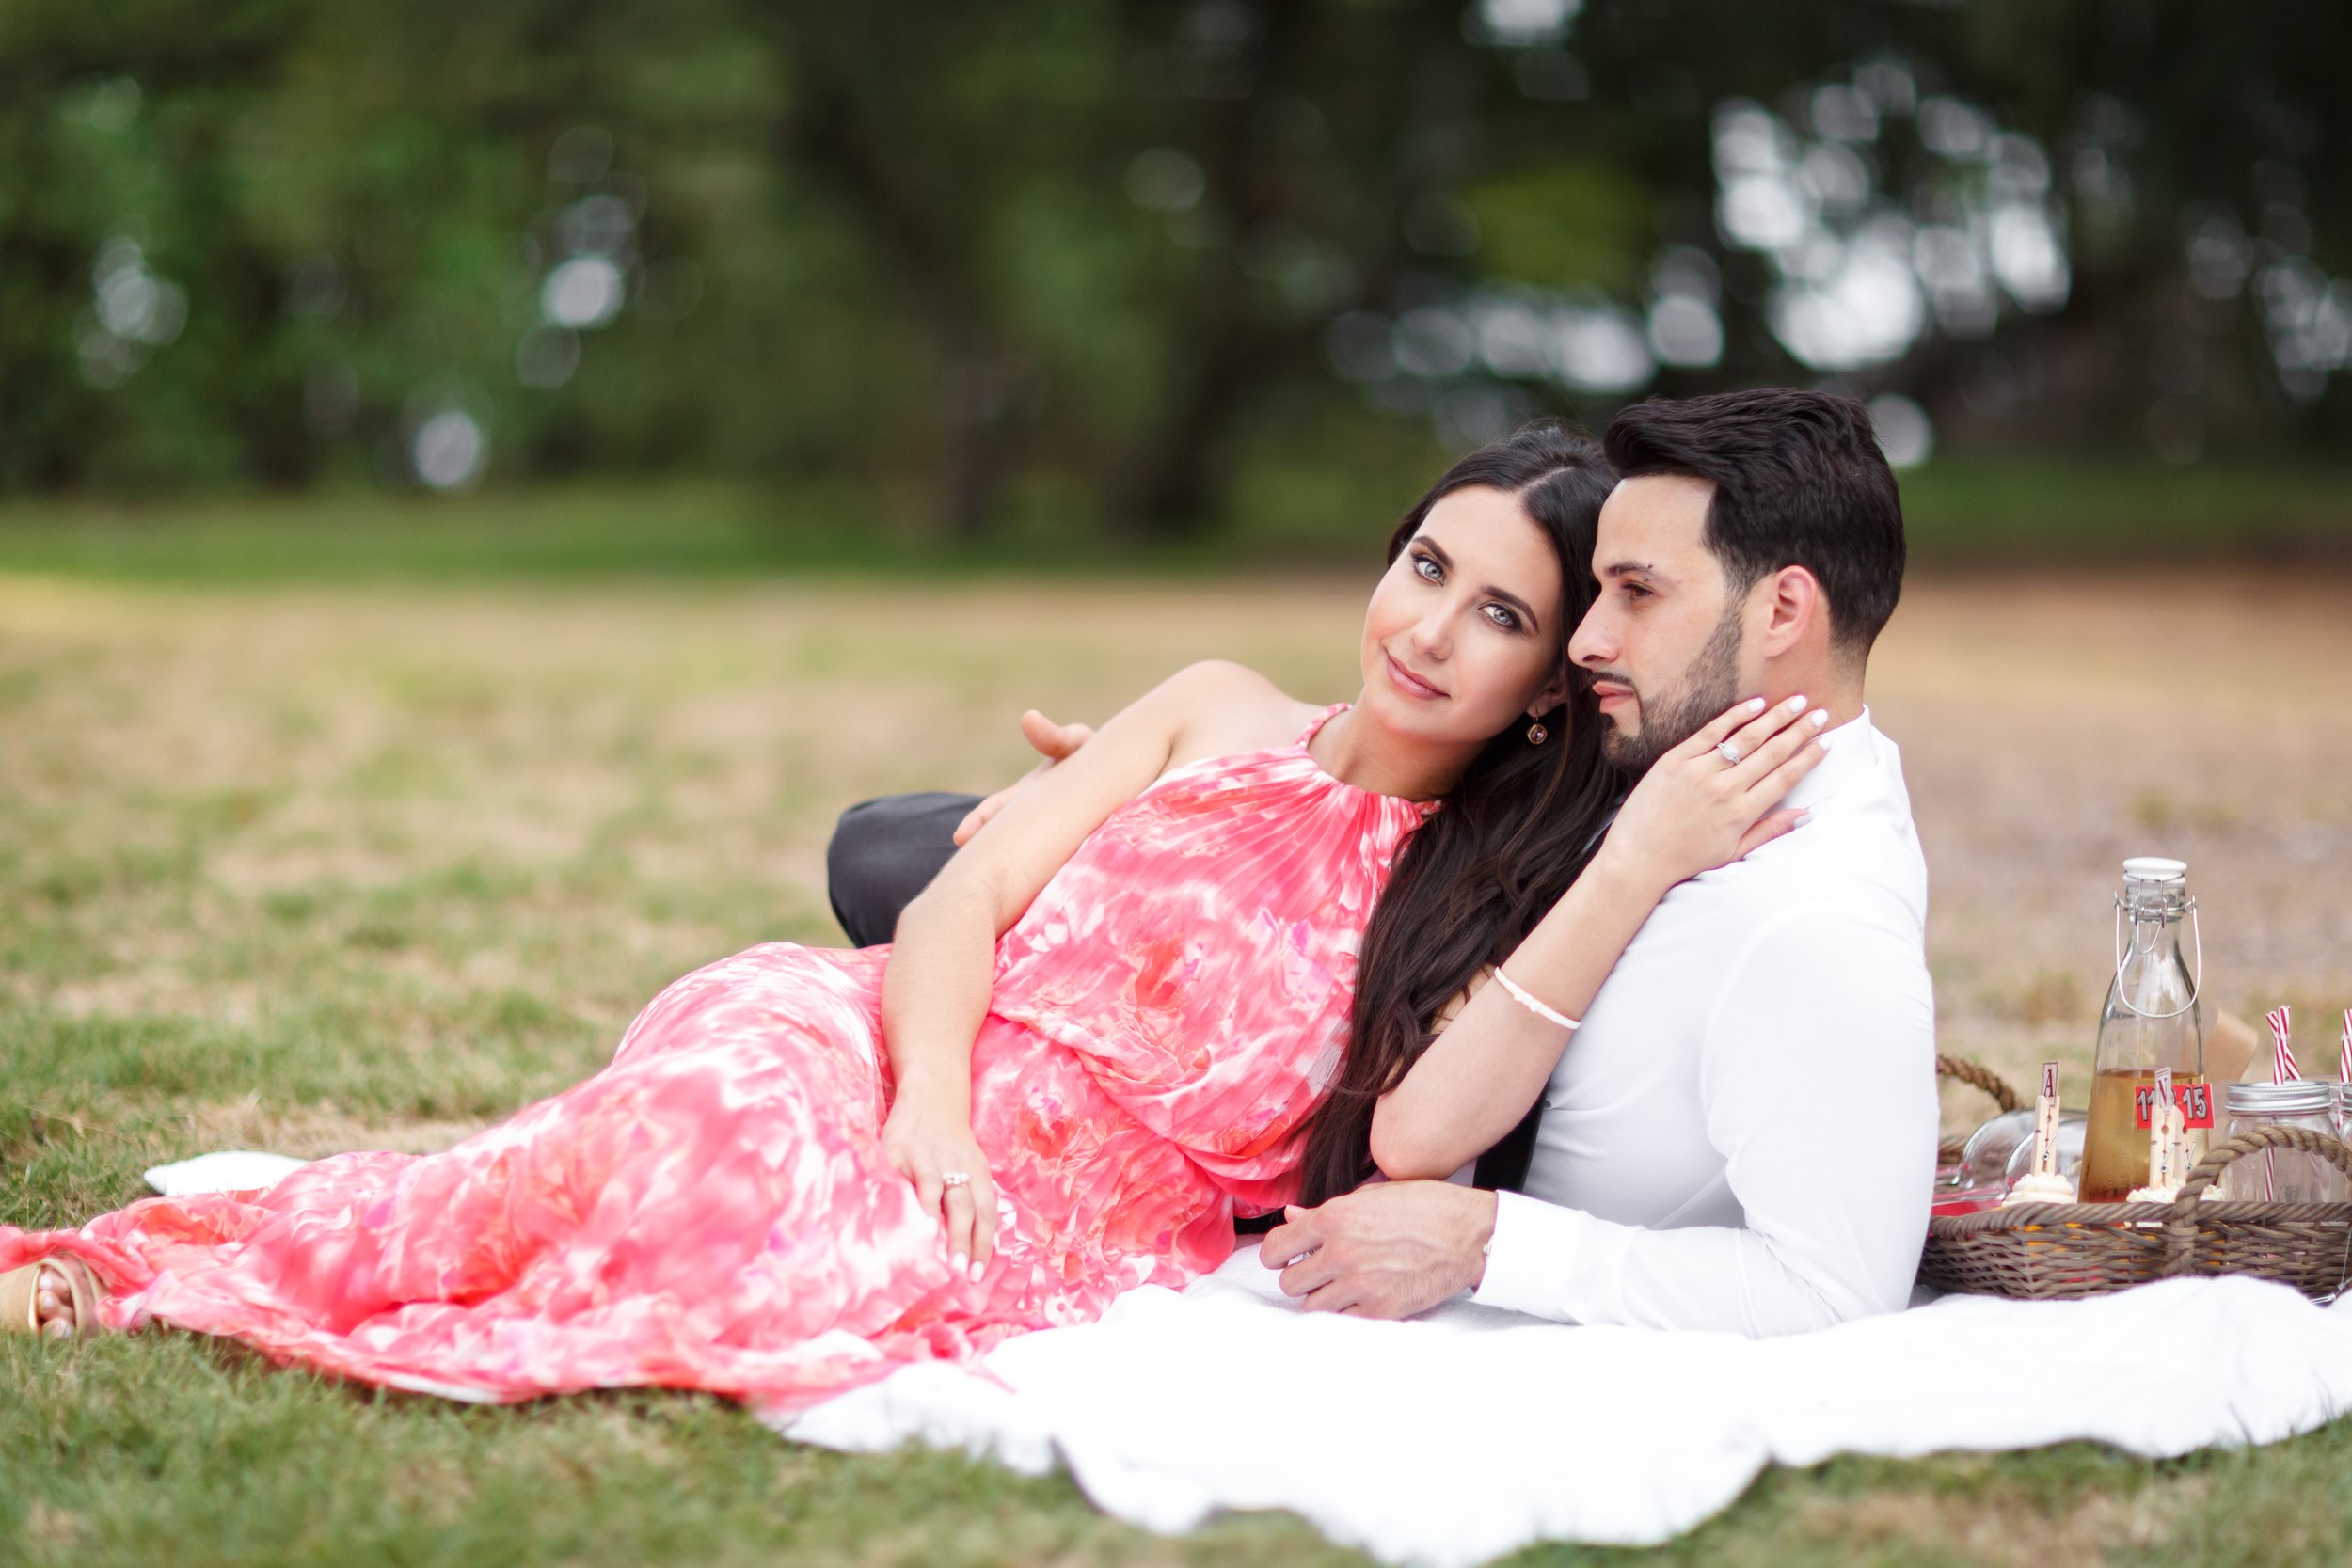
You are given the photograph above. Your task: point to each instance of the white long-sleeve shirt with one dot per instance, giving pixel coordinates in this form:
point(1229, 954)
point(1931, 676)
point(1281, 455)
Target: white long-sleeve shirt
point(1741, 1136)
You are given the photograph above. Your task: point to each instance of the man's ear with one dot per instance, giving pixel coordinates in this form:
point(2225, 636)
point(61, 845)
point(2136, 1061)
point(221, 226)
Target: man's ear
point(1793, 610)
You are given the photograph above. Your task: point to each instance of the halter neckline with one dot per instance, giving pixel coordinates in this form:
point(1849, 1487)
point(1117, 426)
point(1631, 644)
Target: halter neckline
point(1314, 728)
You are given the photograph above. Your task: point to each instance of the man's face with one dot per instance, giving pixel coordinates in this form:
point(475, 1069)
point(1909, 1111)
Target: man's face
point(1661, 644)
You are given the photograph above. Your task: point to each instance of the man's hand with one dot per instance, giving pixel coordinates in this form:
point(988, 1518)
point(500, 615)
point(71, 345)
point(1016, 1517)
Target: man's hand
point(1389, 1250)
point(1054, 742)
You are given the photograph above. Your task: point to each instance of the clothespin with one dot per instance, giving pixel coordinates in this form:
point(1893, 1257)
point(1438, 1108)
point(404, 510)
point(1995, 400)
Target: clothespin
point(2045, 1119)
point(2159, 1132)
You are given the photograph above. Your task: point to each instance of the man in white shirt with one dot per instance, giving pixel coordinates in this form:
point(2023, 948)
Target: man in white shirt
point(1740, 1135)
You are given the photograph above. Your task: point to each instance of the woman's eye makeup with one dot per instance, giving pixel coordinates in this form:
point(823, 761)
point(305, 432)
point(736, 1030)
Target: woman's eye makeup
point(1430, 569)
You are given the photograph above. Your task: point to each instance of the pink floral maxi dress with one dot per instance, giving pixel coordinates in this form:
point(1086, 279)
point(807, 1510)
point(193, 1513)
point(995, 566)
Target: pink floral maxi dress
point(713, 1210)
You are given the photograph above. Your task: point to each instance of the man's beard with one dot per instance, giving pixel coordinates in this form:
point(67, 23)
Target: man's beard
point(1710, 684)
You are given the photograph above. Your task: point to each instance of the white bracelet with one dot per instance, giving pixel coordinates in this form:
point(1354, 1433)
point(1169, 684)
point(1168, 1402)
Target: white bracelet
point(1519, 995)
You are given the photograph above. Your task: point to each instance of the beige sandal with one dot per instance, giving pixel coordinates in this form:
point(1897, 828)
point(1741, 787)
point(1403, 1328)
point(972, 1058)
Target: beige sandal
point(19, 1295)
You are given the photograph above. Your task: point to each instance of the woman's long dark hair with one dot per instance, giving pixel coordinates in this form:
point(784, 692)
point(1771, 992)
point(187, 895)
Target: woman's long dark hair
point(1509, 838)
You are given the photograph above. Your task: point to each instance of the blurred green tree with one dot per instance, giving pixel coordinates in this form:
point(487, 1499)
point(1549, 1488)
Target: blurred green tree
point(1104, 244)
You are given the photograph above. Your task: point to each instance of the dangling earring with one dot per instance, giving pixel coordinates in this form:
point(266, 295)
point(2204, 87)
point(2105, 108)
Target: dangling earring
point(1536, 735)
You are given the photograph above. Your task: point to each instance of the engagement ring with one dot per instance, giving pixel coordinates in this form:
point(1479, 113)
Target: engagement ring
point(954, 1178)
point(1729, 752)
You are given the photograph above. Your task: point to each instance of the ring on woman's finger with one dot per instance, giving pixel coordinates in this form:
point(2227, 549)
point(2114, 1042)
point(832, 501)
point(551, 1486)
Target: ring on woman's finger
point(954, 1178)
point(1729, 752)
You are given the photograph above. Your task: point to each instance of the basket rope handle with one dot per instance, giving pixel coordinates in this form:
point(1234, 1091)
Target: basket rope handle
point(1978, 1076)
point(2179, 1221)
point(2208, 1170)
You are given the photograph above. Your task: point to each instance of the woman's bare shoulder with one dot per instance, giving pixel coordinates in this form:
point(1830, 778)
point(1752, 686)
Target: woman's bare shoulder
point(1222, 708)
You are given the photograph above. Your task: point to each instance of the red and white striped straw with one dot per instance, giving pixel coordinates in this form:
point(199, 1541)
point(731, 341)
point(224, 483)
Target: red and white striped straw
point(2281, 1071)
point(2283, 1054)
point(2344, 1064)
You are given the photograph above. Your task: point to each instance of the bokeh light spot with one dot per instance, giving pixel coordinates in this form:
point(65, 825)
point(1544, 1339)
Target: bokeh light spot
point(1600, 347)
point(547, 357)
point(1519, 24)
point(1954, 130)
point(597, 225)
point(1866, 311)
point(1433, 342)
point(1904, 431)
point(585, 293)
point(1473, 415)
point(1685, 330)
point(1165, 180)
point(1840, 113)
point(449, 450)
point(135, 310)
point(2218, 259)
point(2027, 258)
point(109, 105)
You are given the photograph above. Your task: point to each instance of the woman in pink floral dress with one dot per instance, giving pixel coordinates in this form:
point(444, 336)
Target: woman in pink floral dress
point(1094, 1042)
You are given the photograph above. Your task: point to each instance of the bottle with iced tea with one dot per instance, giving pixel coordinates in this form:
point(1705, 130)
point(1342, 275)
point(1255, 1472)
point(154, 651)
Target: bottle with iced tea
point(2153, 1019)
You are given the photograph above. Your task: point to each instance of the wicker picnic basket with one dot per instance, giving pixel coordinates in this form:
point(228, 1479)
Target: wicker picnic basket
point(2053, 1251)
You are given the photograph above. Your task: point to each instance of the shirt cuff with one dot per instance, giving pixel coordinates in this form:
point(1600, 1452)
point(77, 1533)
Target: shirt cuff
point(1532, 1258)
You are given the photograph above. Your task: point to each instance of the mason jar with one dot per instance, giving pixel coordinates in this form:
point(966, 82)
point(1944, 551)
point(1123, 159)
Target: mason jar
point(2281, 1175)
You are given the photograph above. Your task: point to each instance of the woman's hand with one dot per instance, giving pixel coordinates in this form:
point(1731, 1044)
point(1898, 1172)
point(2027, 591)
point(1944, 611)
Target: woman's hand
point(1694, 811)
point(1054, 743)
point(926, 1146)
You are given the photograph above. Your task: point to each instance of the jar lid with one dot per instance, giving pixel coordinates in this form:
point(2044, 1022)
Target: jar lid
point(2270, 1099)
point(2154, 868)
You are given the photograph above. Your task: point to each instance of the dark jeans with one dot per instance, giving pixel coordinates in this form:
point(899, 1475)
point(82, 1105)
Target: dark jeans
point(884, 853)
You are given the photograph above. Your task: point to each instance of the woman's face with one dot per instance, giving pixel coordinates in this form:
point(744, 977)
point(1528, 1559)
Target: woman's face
point(1463, 635)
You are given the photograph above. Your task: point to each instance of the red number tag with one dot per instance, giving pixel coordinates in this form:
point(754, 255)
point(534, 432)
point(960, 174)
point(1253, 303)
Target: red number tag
point(2195, 1100)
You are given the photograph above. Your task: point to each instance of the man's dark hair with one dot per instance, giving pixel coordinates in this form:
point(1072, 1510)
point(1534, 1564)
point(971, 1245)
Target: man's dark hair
point(1799, 481)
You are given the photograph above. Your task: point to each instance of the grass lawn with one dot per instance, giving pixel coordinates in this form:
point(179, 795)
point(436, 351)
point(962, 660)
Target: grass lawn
point(325, 864)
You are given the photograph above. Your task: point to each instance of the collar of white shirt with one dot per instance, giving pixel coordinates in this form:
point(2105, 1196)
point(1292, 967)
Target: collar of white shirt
point(1852, 758)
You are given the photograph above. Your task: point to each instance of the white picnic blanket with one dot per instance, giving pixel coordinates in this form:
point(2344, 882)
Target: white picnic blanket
point(1469, 1433)
point(230, 1170)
